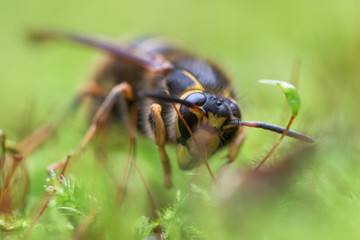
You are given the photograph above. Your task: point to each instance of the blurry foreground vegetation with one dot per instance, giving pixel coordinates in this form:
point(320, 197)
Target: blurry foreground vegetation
point(307, 194)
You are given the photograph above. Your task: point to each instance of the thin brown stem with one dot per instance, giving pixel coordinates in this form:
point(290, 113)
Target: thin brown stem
point(85, 224)
point(276, 145)
point(49, 197)
point(17, 158)
point(3, 149)
point(121, 187)
point(66, 163)
point(34, 140)
point(203, 157)
point(151, 199)
point(158, 229)
point(37, 218)
point(126, 173)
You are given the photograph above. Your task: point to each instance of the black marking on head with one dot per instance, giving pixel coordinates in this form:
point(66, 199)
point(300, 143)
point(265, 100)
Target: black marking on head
point(216, 106)
point(221, 107)
point(210, 103)
point(178, 82)
point(208, 75)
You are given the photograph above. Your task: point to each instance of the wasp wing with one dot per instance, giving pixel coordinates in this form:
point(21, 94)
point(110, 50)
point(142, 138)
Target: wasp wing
point(148, 60)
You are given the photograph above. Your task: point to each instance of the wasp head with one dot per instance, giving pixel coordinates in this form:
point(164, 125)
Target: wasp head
point(201, 130)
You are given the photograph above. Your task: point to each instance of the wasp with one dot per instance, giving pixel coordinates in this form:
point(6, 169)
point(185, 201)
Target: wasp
point(180, 98)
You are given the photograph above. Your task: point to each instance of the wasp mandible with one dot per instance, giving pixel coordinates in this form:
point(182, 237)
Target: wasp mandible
point(179, 97)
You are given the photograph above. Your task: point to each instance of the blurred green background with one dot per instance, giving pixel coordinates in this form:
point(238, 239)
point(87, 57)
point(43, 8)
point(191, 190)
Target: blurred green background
point(252, 40)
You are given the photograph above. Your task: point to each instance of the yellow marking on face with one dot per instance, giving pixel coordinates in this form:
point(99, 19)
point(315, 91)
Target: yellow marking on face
point(229, 126)
point(184, 157)
point(214, 121)
point(191, 155)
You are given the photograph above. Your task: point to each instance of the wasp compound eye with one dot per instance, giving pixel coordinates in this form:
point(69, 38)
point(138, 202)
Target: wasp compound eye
point(197, 98)
point(234, 110)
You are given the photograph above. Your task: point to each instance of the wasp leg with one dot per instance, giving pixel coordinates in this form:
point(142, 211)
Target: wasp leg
point(121, 186)
point(105, 109)
point(100, 117)
point(40, 135)
point(160, 140)
point(236, 144)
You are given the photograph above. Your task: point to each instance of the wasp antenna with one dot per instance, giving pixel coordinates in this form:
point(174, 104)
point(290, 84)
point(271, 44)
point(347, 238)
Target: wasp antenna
point(40, 36)
point(271, 127)
point(167, 98)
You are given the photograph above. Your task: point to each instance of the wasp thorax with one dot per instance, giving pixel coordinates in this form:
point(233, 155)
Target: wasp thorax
point(200, 134)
